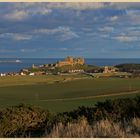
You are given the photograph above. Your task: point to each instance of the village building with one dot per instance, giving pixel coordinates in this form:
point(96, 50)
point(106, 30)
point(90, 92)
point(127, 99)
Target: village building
point(25, 70)
point(109, 69)
point(2, 74)
point(31, 74)
point(34, 67)
point(22, 73)
point(46, 65)
point(76, 70)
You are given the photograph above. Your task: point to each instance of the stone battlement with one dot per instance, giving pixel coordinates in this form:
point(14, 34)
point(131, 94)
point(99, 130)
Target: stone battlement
point(70, 61)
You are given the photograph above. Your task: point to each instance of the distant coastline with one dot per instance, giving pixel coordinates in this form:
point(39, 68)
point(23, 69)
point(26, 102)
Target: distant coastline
point(10, 61)
point(27, 62)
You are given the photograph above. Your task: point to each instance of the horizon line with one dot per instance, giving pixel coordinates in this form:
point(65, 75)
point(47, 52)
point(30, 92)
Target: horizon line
point(63, 58)
point(74, 1)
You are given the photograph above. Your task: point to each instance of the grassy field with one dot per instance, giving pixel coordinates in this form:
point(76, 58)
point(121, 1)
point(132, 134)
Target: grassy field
point(63, 93)
point(31, 80)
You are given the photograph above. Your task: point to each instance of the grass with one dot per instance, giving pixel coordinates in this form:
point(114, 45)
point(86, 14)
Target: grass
point(112, 74)
point(43, 90)
point(31, 80)
point(101, 129)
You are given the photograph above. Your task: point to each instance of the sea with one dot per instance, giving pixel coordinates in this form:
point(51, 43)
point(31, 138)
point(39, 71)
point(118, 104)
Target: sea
point(7, 64)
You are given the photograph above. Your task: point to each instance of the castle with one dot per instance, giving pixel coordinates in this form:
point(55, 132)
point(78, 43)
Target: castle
point(70, 61)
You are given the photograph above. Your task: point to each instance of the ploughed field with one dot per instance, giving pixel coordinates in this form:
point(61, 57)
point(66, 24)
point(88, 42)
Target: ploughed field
point(63, 93)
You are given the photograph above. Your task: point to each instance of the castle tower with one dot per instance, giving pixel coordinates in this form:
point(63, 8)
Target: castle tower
point(106, 69)
point(33, 66)
point(80, 61)
point(69, 59)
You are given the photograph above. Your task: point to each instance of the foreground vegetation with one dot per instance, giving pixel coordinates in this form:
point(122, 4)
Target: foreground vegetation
point(111, 118)
point(100, 129)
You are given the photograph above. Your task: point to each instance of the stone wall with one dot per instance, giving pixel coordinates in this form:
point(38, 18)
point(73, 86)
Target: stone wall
point(70, 61)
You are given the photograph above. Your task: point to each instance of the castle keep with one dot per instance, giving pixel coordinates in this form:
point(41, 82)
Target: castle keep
point(70, 61)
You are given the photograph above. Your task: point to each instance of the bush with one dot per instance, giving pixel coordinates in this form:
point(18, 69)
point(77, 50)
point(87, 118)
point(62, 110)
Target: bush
point(100, 129)
point(129, 67)
point(23, 121)
point(116, 110)
point(29, 121)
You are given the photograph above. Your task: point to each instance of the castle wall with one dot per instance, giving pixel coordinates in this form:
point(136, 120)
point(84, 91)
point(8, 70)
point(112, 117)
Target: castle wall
point(70, 61)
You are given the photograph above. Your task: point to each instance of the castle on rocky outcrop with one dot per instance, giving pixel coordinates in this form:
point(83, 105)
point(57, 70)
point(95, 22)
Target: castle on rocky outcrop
point(70, 61)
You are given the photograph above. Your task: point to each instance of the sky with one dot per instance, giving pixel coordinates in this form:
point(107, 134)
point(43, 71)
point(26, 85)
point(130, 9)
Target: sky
point(57, 30)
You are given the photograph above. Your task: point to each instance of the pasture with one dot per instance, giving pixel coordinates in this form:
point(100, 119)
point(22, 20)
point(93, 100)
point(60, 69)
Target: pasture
point(63, 93)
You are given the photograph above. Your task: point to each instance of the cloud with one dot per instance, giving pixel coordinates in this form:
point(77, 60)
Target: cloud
point(16, 36)
point(62, 33)
point(132, 30)
point(47, 31)
point(123, 5)
point(16, 15)
point(20, 37)
point(21, 13)
point(65, 5)
point(63, 49)
point(104, 36)
point(123, 38)
point(28, 50)
point(67, 36)
point(77, 5)
point(40, 11)
point(132, 12)
point(122, 34)
point(106, 29)
point(133, 15)
point(7, 51)
point(113, 18)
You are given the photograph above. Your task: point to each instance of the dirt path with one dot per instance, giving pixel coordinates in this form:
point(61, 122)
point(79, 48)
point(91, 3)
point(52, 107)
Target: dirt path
point(93, 97)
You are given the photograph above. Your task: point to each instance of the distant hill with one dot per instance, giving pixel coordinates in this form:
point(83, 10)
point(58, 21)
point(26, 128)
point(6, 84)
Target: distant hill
point(130, 67)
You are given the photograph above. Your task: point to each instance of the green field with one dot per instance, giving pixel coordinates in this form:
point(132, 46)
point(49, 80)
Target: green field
point(63, 93)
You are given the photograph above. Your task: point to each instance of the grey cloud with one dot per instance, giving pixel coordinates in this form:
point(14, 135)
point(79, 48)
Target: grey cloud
point(106, 29)
point(19, 12)
point(123, 38)
point(65, 5)
point(114, 18)
point(78, 5)
point(63, 33)
point(17, 15)
point(16, 36)
point(28, 50)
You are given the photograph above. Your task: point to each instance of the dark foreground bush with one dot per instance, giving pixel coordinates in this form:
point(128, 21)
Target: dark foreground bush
point(120, 115)
point(23, 121)
point(116, 110)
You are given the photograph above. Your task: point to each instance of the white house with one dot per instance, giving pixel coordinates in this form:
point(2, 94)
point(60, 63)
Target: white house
point(32, 74)
point(2, 74)
point(22, 73)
